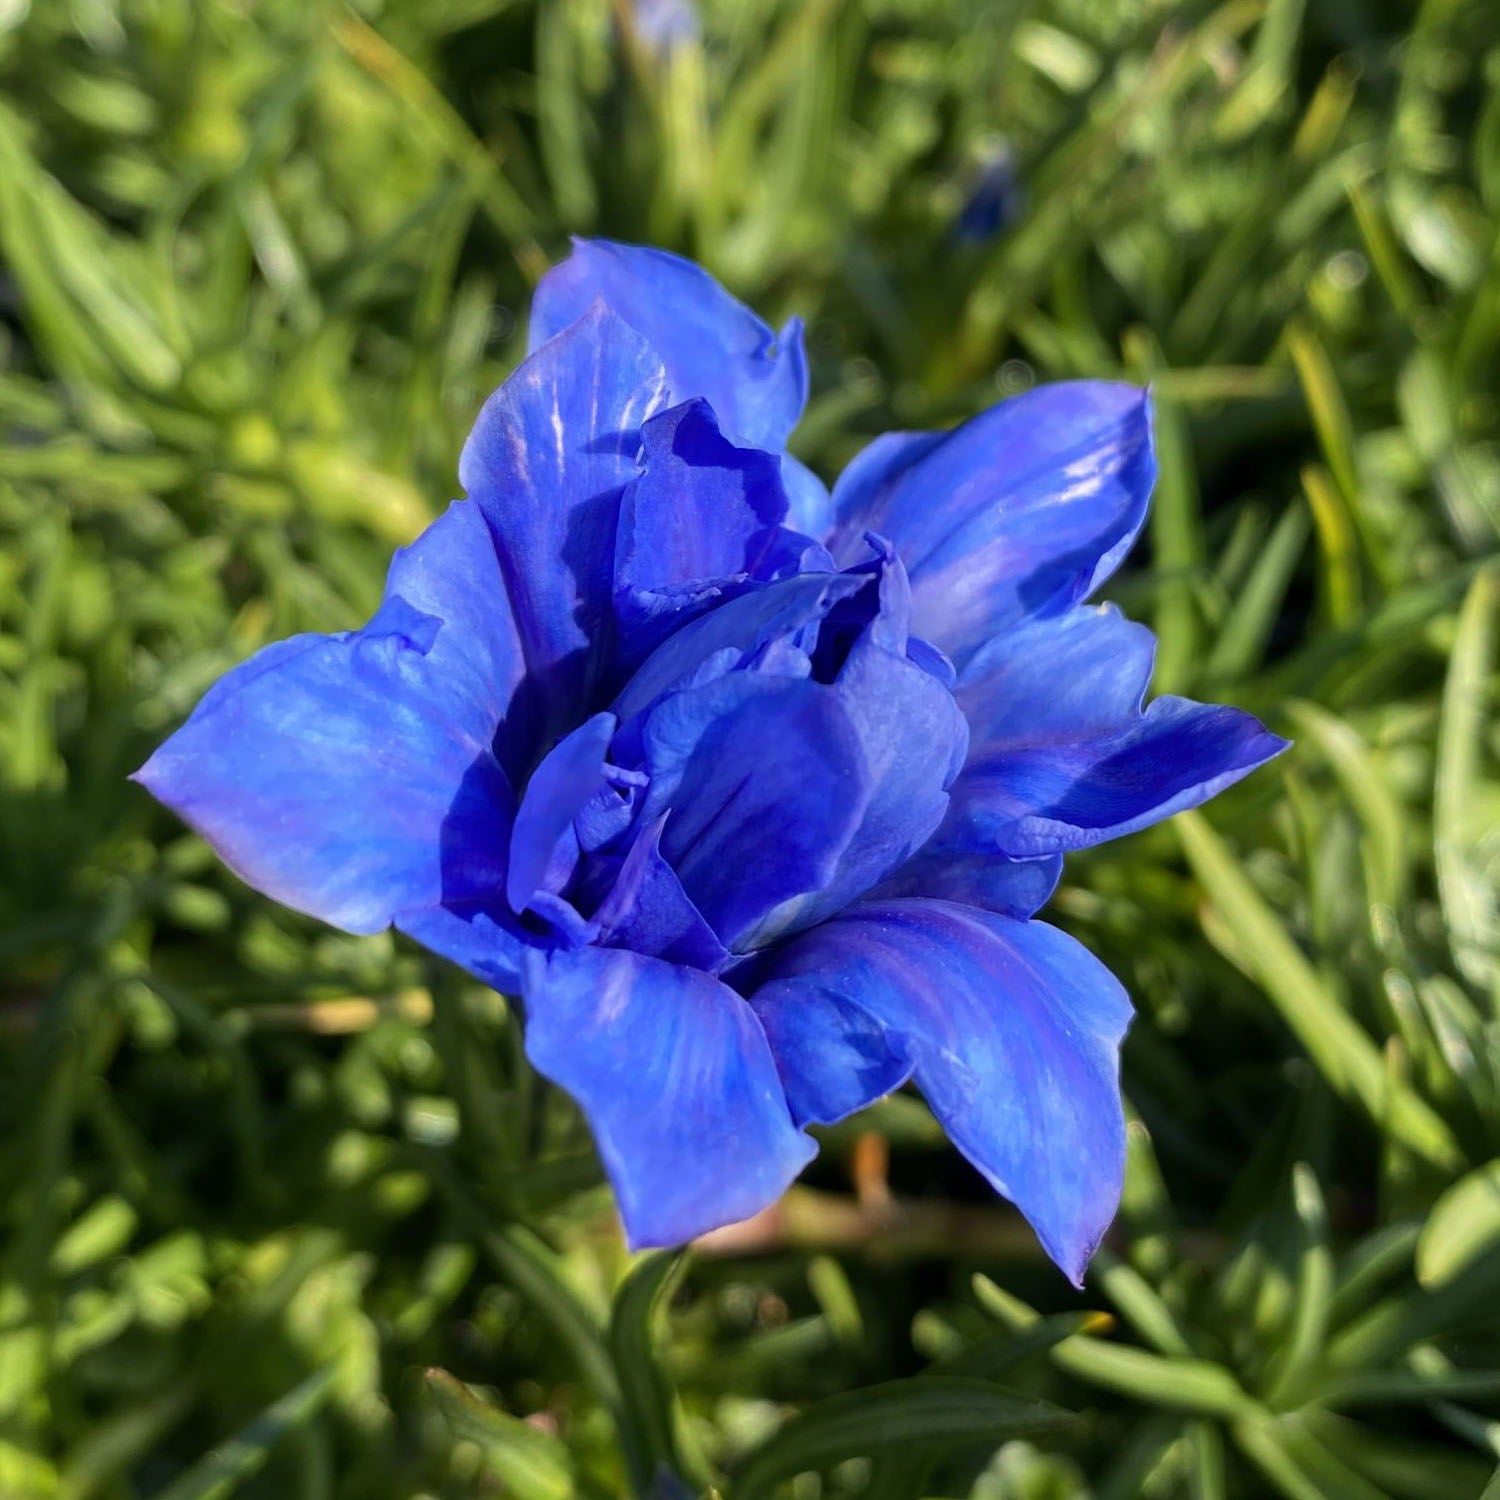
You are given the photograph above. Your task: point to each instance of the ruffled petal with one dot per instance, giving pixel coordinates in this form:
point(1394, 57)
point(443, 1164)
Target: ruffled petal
point(547, 462)
point(740, 631)
point(351, 776)
point(1012, 1031)
point(803, 754)
point(674, 1073)
point(703, 517)
point(1064, 758)
point(1021, 511)
point(702, 508)
point(767, 782)
point(712, 345)
point(912, 740)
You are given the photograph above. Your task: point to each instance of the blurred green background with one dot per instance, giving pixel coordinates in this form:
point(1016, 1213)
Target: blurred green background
point(282, 1215)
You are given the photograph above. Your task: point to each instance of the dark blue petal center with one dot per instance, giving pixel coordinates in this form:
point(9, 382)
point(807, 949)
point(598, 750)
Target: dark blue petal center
point(772, 760)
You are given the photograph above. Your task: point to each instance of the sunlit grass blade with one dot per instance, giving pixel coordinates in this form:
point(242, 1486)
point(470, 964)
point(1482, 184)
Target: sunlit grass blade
point(220, 1472)
point(1343, 1052)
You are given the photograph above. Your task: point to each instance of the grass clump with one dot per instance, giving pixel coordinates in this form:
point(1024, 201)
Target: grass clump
point(284, 1214)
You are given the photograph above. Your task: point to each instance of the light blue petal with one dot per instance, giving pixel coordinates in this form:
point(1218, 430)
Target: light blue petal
point(674, 1073)
point(548, 461)
point(1063, 756)
point(711, 345)
point(351, 776)
point(1012, 1030)
point(810, 505)
point(1060, 679)
point(1022, 511)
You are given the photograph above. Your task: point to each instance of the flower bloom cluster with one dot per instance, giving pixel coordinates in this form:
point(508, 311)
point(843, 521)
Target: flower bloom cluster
point(750, 791)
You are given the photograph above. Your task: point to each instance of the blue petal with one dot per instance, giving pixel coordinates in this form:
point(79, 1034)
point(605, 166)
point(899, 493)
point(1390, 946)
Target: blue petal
point(543, 844)
point(767, 783)
point(703, 517)
point(675, 1076)
point(810, 505)
point(1012, 1031)
point(1058, 679)
point(351, 776)
point(803, 755)
point(834, 1057)
point(1022, 511)
point(1063, 756)
point(453, 574)
point(712, 345)
point(648, 911)
point(912, 740)
point(482, 937)
point(702, 508)
point(548, 461)
point(724, 639)
point(1018, 888)
point(665, 25)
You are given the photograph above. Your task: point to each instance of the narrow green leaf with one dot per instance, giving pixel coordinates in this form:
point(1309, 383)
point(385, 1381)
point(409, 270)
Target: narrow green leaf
point(1207, 1476)
point(532, 1464)
point(1368, 786)
point(1140, 1304)
point(538, 1276)
point(647, 1415)
point(1339, 542)
point(1464, 1224)
point(1467, 897)
point(994, 1355)
point(1178, 1383)
point(932, 1413)
point(1195, 1385)
point(563, 113)
point(1396, 1386)
point(1247, 628)
point(830, 1285)
point(1342, 1051)
point(1298, 1354)
point(1330, 412)
point(221, 1471)
point(1176, 530)
point(1263, 1441)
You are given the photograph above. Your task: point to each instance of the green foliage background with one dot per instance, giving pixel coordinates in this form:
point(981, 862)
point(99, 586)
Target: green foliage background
point(281, 1212)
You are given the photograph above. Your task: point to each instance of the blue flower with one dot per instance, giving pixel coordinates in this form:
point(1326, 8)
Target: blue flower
point(664, 25)
point(750, 792)
point(993, 198)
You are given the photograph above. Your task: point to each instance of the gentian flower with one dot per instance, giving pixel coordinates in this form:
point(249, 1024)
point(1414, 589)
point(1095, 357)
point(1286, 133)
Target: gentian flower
point(662, 26)
point(993, 197)
point(748, 791)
